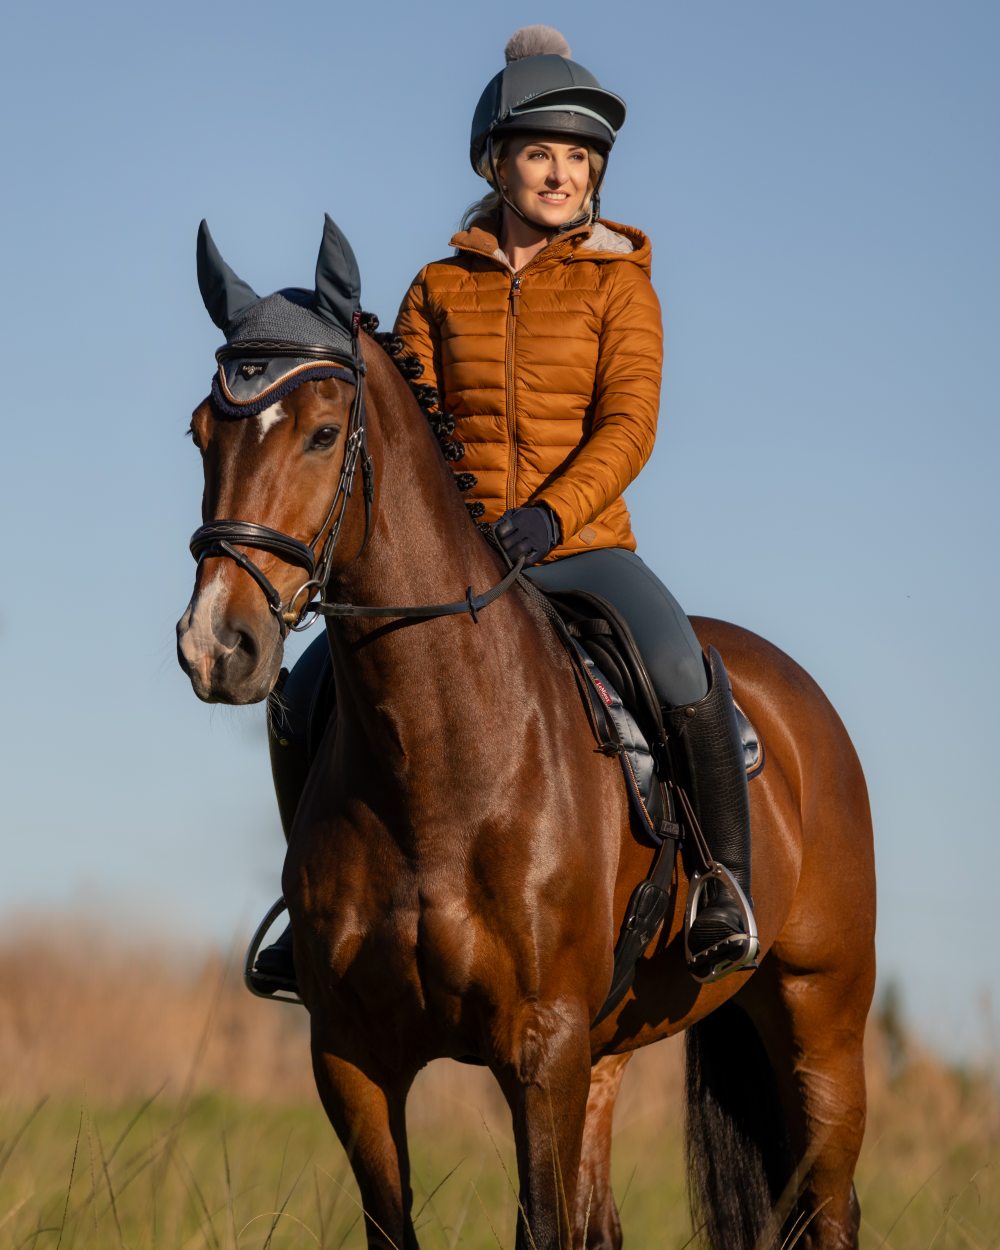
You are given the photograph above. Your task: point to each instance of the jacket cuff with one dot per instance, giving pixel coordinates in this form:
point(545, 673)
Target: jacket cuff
point(563, 513)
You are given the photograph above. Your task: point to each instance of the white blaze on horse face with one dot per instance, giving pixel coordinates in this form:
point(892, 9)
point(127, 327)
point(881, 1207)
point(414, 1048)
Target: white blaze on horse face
point(199, 643)
point(270, 416)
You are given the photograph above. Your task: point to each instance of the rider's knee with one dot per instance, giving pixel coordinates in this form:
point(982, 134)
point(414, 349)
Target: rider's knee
point(687, 678)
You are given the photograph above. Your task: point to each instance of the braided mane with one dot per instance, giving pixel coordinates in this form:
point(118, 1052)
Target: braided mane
point(429, 401)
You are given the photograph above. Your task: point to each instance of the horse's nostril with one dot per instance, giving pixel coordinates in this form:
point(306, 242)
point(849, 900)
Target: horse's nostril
point(248, 644)
point(230, 638)
point(237, 639)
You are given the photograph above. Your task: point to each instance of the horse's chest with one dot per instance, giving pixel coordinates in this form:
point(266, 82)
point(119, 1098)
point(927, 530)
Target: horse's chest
point(422, 953)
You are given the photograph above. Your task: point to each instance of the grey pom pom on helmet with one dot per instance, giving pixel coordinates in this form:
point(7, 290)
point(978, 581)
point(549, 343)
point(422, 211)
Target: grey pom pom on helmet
point(541, 91)
point(536, 41)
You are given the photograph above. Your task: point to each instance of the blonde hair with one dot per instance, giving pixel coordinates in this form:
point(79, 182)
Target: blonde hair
point(488, 207)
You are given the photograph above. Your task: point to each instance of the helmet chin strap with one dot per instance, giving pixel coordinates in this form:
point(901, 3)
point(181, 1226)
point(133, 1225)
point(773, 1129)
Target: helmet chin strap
point(585, 218)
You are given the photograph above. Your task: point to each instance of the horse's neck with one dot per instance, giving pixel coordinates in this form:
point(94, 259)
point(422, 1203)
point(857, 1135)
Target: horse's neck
point(423, 547)
point(425, 680)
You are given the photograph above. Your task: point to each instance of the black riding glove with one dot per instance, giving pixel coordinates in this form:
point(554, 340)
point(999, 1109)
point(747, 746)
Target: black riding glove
point(528, 532)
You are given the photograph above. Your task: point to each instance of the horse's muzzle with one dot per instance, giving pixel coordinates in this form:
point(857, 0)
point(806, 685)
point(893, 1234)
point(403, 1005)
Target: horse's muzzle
point(227, 660)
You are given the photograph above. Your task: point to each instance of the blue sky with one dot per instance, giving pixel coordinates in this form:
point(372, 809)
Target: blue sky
point(822, 187)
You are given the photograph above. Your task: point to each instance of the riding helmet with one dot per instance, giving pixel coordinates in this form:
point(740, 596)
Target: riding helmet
point(540, 89)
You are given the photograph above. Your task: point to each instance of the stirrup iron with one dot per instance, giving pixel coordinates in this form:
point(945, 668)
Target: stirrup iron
point(275, 988)
point(736, 953)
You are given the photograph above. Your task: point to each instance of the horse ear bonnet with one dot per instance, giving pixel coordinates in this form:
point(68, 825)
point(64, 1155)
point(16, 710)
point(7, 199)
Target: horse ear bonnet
point(277, 342)
point(226, 296)
point(338, 282)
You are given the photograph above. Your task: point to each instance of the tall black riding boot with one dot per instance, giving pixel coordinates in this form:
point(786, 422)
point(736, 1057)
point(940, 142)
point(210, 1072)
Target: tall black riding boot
point(721, 934)
point(298, 710)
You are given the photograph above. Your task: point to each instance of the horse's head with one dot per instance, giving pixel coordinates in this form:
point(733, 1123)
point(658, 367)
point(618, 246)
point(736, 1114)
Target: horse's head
point(282, 439)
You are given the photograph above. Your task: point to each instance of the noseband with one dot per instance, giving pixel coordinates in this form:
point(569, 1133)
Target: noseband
point(221, 538)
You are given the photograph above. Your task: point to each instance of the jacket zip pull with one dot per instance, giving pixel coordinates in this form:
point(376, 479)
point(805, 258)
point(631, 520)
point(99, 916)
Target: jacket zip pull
point(515, 295)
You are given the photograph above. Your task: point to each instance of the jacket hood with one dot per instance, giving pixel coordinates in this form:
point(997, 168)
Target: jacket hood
point(603, 240)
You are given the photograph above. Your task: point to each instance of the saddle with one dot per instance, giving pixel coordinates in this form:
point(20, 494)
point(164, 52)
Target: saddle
point(624, 710)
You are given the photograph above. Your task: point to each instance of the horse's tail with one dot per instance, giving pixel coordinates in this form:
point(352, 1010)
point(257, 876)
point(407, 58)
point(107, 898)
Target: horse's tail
point(738, 1155)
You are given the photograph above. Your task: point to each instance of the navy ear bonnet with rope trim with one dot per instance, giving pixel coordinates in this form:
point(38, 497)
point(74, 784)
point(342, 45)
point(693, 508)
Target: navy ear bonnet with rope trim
point(275, 343)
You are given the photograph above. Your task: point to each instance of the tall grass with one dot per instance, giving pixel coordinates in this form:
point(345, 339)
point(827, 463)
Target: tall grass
point(149, 1102)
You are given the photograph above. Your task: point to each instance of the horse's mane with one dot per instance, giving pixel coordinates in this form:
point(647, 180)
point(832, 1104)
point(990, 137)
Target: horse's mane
point(429, 401)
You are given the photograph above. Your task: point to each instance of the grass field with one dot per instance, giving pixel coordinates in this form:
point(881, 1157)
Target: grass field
point(147, 1106)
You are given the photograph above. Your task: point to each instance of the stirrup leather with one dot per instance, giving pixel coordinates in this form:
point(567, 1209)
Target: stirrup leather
point(259, 983)
point(735, 953)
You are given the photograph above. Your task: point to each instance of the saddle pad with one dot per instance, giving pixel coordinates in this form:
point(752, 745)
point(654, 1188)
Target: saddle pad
point(633, 752)
point(753, 748)
point(634, 755)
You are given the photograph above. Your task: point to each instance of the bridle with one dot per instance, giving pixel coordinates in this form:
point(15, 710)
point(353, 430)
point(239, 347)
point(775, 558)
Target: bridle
point(222, 538)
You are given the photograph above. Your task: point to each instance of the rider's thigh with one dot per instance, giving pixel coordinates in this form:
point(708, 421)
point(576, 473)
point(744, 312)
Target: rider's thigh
point(658, 622)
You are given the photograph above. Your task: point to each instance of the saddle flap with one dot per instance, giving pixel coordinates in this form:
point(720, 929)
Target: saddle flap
point(604, 634)
point(623, 737)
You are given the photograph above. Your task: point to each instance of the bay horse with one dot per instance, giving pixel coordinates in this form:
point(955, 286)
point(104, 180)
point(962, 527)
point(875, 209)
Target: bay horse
point(462, 856)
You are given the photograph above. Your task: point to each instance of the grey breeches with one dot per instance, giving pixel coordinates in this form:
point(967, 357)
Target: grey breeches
point(662, 631)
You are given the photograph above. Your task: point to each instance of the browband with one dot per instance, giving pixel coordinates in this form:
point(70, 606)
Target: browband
point(246, 386)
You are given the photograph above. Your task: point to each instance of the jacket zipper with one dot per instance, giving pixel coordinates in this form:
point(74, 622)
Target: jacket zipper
point(513, 308)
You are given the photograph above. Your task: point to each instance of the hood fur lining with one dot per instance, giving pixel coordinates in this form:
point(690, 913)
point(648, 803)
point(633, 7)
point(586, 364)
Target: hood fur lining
point(600, 239)
point(603, 239)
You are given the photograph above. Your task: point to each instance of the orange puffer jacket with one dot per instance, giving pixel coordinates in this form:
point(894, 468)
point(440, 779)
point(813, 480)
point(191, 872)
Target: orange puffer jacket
point(552, 373)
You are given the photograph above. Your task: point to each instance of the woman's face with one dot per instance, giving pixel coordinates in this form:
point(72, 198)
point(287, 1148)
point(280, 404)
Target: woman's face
point(546, 179)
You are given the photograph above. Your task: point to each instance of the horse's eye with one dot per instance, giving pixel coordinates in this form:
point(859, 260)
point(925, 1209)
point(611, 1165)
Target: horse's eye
point(324, 437)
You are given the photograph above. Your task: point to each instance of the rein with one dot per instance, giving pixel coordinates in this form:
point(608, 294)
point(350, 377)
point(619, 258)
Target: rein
point(473, 604)
point(220, 539)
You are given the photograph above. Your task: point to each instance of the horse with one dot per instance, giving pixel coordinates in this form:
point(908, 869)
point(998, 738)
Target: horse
point(462, 856)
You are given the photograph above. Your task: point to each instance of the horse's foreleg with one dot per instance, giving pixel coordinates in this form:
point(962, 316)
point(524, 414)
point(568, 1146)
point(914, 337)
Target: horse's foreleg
point(595, 1218)
point(546, 1082)
point(369, 1118)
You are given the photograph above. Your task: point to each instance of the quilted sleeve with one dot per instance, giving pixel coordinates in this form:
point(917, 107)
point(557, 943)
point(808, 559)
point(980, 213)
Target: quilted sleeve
point(626, 404)
point(420, 332)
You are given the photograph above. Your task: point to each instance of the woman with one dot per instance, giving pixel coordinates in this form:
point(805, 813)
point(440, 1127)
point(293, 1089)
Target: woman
point(542, 336)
